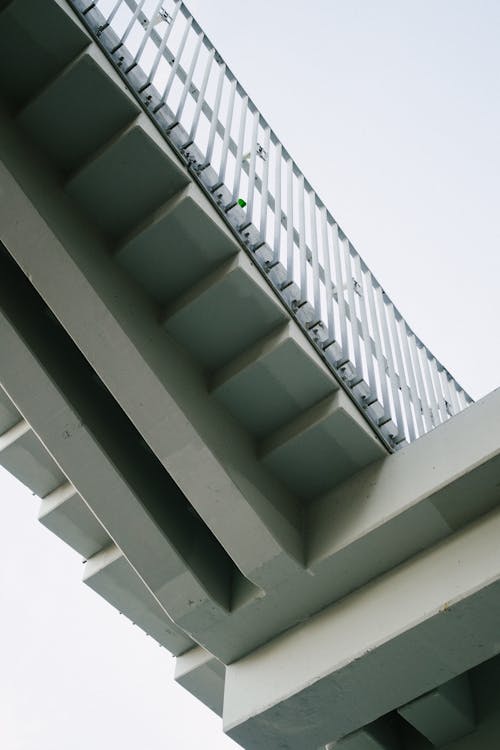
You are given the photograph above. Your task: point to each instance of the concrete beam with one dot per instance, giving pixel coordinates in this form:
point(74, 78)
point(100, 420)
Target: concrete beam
point(9, 414)
point(445, 714)
point(68, 516)
point(237, 500)
point(272, 382)
point(321, 447)
point(163, 253)
point(369, 524)
point(24, 456)
point(377, 736)
point(110, 575)
point(35, 49)
point(202, 675)
point(420, 495)
point(105, 186)
point(352, 535)
point(61, 118)
point(82, 446)
point(226, 312)
point(430, 620)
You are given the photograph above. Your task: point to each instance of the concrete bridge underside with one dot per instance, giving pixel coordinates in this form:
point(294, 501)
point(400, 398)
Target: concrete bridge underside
point(189, 442)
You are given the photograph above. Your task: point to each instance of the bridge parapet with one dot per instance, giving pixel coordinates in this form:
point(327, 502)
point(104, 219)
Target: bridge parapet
point(199, 106)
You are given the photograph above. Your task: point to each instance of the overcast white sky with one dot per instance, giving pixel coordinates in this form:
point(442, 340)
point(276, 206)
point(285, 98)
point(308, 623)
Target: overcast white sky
point(392, 109)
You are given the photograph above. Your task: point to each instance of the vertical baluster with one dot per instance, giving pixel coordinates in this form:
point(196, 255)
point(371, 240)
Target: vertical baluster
point(201, 96)
point(161, 49)
point(240, 148)
point(215, 113)
point(252, 167)
point(453, 394)
point(302, 239)
point(365, 329)
point(403, 385)
point(443, 411)
point(112, 14)
point(146, 36)
point(446, 390)
point(339, 278)
point(328, 276)
point(277, 203)
point(314, 256)
point(414, 396)
point(289, 222)
point(378, 344)
point(426, 413)
point(433, 402)
point(189, 77)
point(130, 25)
point(227, 131)
point(352, 314)
point(397, 413)
point(175, 64)
point(264, 197)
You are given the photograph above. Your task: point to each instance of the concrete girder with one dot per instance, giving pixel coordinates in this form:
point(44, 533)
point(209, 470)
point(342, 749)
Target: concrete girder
point(445, 714)
point(377, 736)
point(272, 382)
point(164, 254)
point(423, 493)
point(203, 676)
point(381, 517)
point(279, 533)
point(110, 575)
point(430, 619)
point(128, 178)
point(280, 545)
point(33, 50)
point(75, 442)
point(338, 522)
point(9, 414)
point(321, 447)
point(60, 120)
point(240, 307)
point(67, 515)
point(24, 456)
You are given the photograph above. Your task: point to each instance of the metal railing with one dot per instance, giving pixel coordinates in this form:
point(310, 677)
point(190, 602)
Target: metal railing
point(230, 149)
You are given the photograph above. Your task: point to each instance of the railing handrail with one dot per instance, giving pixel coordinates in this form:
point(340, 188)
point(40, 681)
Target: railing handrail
point(402, 389)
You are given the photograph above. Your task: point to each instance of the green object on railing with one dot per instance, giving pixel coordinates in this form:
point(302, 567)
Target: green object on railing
point(241, 202)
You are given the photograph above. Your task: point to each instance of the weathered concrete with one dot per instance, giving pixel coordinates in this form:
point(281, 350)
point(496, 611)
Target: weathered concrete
point(261, 530)
point(25, 458)
point(111, 575)
point(67, 515)
point(225, 491)
point(444, 714)
point(203, 676)
point(376, 736)
point(429, 620)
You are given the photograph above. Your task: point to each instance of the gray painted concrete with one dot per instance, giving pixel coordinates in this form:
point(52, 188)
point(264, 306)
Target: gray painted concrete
point(444, 714)
point(228, 497)
point(68, 516)
point(429, 620)
point(110, 574)
point(203, 676)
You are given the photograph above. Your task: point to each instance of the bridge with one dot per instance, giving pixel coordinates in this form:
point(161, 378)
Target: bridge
point(220, 407)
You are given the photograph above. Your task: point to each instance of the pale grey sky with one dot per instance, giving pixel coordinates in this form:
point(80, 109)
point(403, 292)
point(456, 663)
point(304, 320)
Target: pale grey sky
point(392, 110)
